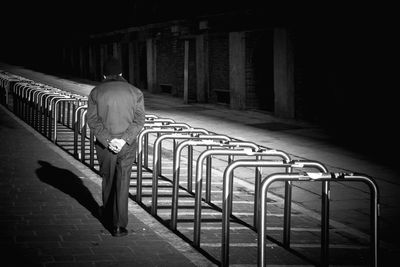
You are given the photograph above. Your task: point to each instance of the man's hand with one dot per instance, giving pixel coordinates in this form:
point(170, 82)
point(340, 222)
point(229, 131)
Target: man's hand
point(116, 145)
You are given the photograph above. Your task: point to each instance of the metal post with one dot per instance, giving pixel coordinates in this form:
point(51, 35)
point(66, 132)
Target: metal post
point(170, 128)
point(76, 126)
point(325, 223)
point(208, 141)
point(182, 134)
point(323, 177)
point(59, 100)
point(199, 178)
point(91, 149)
point(83, 137)
point(227, 193)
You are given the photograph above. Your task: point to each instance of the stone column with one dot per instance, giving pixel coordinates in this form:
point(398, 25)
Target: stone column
point(131, 65)
point(283, 74)
point(103, 54)
point(186, 73)
point(115, 50)
point(151, 66)
point(91, 65)
point(237, 81)
point(81, 61)
point(201, 68)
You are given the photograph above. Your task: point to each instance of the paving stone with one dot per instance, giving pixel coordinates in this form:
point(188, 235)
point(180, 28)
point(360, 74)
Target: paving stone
point(349, 203)
point(49, 223)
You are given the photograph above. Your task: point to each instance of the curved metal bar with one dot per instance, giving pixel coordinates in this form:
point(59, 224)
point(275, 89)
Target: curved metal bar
point(67, 99)
point(223, 142)
point(83, 118)
point(139, 156)
point(169, 125)
point(47, 113)
point(150, 116)
point(40, 109)
point(227, 192)
point(29, 104)
point(35, 100)
point(188, 134)
point(51, 108)
point(199, 178)
point(32, 104)
point(324, 177)
point(207, 140)
point(83, 134)
point(163, 125)
point(16, 89)
point(163, 120)
point(76, 127)
point(24, 92)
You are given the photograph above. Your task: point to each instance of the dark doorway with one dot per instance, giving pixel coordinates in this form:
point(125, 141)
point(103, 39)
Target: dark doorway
point(142, 69)
point(192, 71)
point(97, 64)
point(264, 71)
point(125, 60)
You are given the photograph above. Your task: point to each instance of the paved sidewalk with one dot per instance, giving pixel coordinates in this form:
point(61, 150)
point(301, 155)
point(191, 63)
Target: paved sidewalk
point(349, 203)
point(48, 203)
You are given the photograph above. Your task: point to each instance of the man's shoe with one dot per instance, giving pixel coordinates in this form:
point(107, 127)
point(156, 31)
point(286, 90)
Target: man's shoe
point(119, 231)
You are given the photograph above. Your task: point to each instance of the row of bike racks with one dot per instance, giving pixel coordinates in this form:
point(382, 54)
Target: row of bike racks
point(7, 80)
point(230, 147)
point(43, 107)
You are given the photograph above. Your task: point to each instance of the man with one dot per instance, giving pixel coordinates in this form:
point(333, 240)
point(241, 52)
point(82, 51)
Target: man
point(116, 115)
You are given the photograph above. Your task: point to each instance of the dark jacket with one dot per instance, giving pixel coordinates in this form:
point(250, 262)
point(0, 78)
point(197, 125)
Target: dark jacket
point(115, 110)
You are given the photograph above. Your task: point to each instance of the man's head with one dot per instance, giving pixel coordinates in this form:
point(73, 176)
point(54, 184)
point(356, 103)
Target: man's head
point(112, 66)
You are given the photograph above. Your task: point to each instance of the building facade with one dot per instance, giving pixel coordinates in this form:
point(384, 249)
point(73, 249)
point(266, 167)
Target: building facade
point(200, 62)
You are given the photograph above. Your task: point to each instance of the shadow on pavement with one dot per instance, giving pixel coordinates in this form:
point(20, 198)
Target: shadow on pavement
point(67, 182)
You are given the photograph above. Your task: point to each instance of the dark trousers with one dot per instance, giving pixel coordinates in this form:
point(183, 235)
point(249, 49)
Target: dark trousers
point(115, 170)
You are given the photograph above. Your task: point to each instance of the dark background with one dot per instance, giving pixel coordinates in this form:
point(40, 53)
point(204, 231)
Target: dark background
point(359, 105)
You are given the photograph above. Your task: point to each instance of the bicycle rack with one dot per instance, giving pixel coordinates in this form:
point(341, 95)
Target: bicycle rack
point(8, 82)
point(6, 79)
point(56, 114)
point(17, 98)
point(199, 177)
point(227, 192)
point(156, 155)
point(47, 112)
point(165, 129)
point(179, 134)
point(42, 123)
point(30, 94)
point(83, 136)
point(20, 99)
point(26, 94)
point(161, 123)
point(225, 141)
point(35, 112)
point(327, 177)
point(77, 126)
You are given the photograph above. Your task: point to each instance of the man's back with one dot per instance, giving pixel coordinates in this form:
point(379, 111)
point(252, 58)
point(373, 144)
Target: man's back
point(116, 104)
